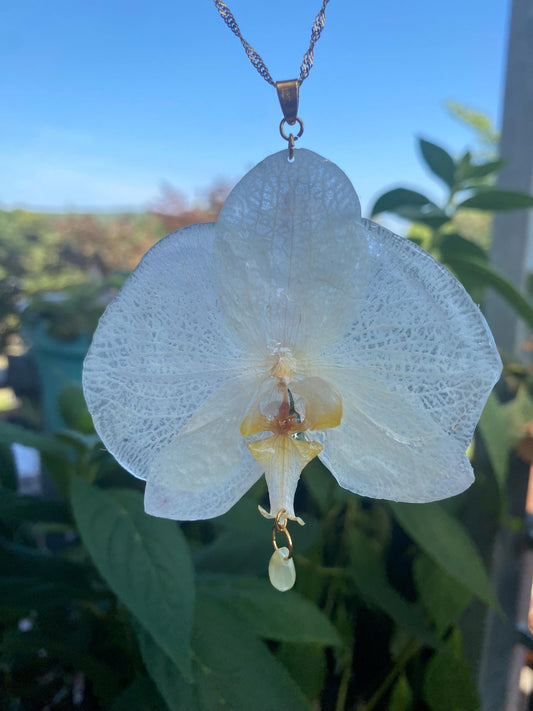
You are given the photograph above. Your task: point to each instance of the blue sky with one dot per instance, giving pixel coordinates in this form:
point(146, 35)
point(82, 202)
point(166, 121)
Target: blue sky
point(102, 101)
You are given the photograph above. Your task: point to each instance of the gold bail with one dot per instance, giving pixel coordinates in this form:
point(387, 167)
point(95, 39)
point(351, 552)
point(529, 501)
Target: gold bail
point(288, 95)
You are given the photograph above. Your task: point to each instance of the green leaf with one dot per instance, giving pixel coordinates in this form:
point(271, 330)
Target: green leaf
point(448, 684)
point(74, 410)
point(447, 543)
point(319, 482)
point(288, 617)
point(232, 668)
point(400, 198)
point(454, 246)
point(239, 673)
point(43, 443)
point(243, 546)
point(485, 274)
point(438, 161)
point(370, 579)
point(401, 698)
point(61, 471)
point(145, 561)
point(425, 214)
point(495, 200)
point(443, 598)
point(463, 165)
point(482, 170)
point(493, 429)
point(306, 664)
point(177, 693)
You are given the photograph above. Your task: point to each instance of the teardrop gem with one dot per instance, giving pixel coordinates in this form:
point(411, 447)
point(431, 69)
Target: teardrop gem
point(281, 570)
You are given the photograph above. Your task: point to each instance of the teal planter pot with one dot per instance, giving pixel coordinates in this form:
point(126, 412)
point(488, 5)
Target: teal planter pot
point(59, 363)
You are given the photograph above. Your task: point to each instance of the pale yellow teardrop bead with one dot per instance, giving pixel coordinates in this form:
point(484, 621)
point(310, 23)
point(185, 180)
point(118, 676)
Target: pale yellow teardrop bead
point(281, 571)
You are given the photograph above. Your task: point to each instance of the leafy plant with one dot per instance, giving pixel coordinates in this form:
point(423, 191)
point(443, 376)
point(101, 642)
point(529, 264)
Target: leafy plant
point(103, 607)
point(73, 311)
point(468, 187)
point(124, 605)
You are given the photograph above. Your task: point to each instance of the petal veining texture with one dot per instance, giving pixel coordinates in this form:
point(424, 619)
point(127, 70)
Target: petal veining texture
point(160, 350)
point(366, 460)
point(290, 253)
point(207, 467)
point(418, 358)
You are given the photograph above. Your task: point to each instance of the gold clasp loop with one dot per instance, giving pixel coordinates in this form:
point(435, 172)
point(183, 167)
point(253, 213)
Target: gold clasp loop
point(288, 95)
point(291, 138)
point(280, 527)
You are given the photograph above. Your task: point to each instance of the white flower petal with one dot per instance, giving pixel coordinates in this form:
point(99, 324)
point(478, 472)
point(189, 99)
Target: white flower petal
point(288, 246)
point(366, 460)
point(418, 339)
point(207, 467)
point(159, 350)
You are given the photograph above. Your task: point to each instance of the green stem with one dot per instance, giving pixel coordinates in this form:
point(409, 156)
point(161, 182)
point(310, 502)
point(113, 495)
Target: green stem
point(408, 652)
point(345, 682)
point(318, 569)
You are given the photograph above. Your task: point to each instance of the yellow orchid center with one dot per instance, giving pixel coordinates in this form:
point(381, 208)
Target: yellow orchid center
point(287, 413)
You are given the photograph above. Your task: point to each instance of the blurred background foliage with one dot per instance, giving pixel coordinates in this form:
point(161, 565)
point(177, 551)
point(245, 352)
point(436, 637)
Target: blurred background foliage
point(103, 607)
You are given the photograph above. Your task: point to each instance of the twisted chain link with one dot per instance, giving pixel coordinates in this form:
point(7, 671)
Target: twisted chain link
point(255, 58)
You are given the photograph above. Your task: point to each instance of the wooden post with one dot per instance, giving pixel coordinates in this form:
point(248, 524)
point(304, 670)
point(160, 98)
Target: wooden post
point(512, 254)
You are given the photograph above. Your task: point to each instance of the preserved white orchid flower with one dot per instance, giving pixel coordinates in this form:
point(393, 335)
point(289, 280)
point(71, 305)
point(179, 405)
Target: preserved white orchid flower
point(290, 328)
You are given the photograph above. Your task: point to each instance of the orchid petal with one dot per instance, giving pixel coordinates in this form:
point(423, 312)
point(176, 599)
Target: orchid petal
point(160, 350)
point(290, 253)
point(282, 458)
point(206, 468)
point(367, 461)
point(322, 404)
point(417, 339)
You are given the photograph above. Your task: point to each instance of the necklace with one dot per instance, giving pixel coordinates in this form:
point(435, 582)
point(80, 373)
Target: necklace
point(289, 329)
point(288, 91)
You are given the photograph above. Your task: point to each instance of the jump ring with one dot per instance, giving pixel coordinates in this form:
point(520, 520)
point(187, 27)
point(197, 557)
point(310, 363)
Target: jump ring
point(284, 121)
point(281, 528)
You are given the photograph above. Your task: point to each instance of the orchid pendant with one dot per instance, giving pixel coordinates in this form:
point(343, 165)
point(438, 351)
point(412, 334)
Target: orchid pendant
point(291, 328)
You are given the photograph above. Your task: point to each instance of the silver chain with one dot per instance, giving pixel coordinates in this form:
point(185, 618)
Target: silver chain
point(255, 58)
